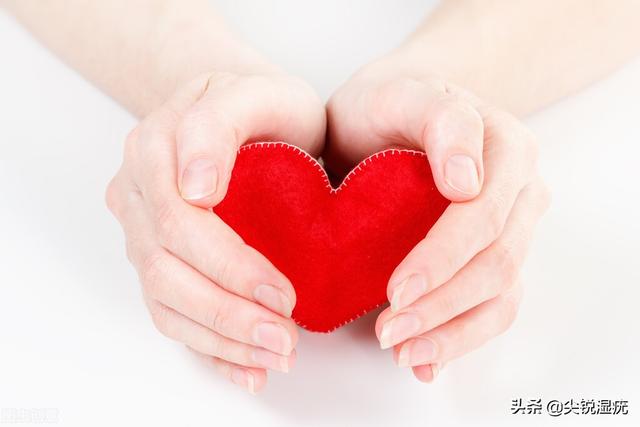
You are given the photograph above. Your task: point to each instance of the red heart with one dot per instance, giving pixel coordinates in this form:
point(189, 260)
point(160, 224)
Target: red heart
point(337, 246)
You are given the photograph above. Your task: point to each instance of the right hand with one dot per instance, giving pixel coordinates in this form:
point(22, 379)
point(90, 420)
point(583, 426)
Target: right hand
point(203, 285)
point(459, 286)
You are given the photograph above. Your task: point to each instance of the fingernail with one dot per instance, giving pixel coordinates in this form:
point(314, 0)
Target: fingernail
point(199, 179)
point(398, 329)
point(244, 378)
point(409, 290)
point(274, 337)
point(417, 352)
point(270, 360)
point(274, 299)
point(461, 174)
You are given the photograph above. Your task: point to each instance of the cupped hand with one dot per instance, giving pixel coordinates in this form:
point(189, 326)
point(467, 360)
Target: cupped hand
point(459, 286)
point(203, 285)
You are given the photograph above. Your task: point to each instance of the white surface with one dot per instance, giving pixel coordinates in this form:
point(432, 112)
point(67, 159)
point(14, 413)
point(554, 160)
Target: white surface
point(75, 336)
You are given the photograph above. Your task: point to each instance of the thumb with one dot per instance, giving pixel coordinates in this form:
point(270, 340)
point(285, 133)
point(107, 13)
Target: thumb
point(208, 138)
point(206, 151)
point(226, 116)
point(453, 138)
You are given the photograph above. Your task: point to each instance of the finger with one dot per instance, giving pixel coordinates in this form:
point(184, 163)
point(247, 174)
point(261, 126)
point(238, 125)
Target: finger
point(423, 115)
point(203, 340)
point(125, 201)
point(180, 287)
point(453, 139)
point(121, 185)
point(467, 228)
point(205, 242)
point(426, 373)
point(197, 236)
point(233, 110)
point(450, 130)
point(487, 275)
point(251, 379)
point(462, 334)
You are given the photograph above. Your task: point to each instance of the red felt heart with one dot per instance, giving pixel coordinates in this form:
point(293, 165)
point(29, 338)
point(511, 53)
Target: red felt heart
point(337, 246)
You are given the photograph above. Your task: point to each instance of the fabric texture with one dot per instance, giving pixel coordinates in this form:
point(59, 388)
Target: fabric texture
point(337, 246)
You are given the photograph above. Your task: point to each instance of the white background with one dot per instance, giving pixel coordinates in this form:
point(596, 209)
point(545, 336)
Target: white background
point(75, 336)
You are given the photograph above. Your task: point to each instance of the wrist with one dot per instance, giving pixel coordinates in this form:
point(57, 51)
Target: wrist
point(427, 58)
point(187, 51)
point(428, 55)
point(477, 59)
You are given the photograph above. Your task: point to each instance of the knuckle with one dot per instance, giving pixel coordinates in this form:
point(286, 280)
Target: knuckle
point(195, 118)
point(544, 195)
point(131, 249)
point(264, 88)
point(221, 270)
point(460, 332)
point(132, 136)
point(215, 346)
point(499, 119)
point(389, 89)
point(135, 248)
point(496, 208)
point(507, 264)
point(226, 266)
point(382, 106)
point(112, 197)
point(152, 272)
point(448, 305)
point(189, 122)
point(509, 134)
point(463, 95)
point(258, 81)
point(220, 79)
point(304, 90)
point(443, 254)
point(218, 316)
point(208, 115)
point(335, 105)
point(160, 318)
point(120, 195)
point(515, 138)
point(166, 221)
point(464, 112)
point(510, 307)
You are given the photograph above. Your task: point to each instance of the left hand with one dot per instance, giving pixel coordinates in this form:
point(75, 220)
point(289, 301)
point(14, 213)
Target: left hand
point(459, 286)
point(203, 285)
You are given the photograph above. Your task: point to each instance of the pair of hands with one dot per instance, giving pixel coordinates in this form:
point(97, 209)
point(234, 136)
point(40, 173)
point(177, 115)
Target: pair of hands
point(207, 289)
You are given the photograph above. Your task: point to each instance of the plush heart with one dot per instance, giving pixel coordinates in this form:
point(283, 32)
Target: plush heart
point(337, 246)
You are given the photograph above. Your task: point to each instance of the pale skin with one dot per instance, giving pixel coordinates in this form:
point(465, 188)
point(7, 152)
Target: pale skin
point(453, 89)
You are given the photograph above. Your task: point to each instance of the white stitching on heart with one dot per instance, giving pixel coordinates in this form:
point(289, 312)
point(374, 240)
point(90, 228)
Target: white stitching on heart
point(350, 175)
point(351, 319)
